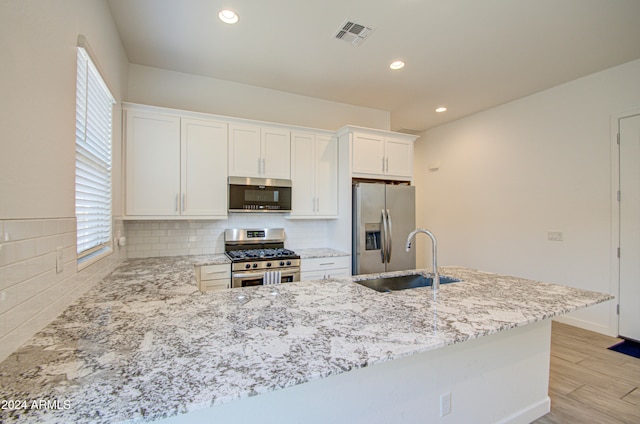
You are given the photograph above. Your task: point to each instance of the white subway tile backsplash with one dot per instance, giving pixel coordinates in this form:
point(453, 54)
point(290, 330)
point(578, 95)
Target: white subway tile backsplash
point(176, 238)
point(15, 230)
point(8, 299)
point(32, 293)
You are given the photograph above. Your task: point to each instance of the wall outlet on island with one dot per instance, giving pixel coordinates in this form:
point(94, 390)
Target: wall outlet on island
point(445, 404)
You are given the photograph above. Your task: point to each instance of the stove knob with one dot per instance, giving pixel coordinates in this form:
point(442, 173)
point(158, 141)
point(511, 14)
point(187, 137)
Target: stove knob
point(255, 265)
point(268, 264)
point(281, 263)
point(247, 266)
point(288, 263)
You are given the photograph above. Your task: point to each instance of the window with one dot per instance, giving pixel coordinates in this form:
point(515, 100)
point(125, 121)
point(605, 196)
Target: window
point(94, 104)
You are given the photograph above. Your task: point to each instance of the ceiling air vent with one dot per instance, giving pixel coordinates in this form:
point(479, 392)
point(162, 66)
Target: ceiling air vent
point(353, 33)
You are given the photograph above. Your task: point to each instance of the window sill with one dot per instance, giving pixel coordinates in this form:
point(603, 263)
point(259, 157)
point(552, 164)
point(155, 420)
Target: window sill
point(94, 257)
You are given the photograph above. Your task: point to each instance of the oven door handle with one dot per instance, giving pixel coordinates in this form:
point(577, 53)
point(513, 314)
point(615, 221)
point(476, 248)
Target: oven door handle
point(249, 275)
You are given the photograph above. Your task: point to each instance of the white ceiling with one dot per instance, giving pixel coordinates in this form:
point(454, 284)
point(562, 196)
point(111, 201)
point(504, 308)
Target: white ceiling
point(468, 55)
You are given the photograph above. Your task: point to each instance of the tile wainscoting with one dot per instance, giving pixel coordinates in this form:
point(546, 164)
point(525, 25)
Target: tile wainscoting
point(32, 293)
point(148, 239)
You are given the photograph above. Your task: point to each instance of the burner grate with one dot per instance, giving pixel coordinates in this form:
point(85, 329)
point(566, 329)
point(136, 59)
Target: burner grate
point(260, 254)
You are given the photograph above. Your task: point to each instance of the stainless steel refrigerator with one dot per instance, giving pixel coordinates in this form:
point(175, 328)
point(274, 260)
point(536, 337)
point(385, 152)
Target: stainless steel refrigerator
point(383, 217)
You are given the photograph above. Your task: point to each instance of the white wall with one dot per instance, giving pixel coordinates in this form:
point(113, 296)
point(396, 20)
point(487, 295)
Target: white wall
point(177, 90)
point(511, 174)
point(38, 42)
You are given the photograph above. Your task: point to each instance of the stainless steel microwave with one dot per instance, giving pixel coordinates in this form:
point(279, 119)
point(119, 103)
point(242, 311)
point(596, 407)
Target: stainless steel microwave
point(259, 195)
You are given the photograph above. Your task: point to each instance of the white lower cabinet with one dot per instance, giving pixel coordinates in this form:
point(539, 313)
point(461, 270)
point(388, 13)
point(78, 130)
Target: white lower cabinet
point(323, 268)
point(213, 277)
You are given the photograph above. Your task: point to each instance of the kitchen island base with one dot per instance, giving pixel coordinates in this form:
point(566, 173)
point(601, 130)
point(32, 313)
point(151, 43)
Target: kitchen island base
point(500, 378)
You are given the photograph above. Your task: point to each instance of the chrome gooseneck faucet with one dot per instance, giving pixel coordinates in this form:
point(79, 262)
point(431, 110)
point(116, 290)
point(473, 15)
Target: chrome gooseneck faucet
point(434, 243)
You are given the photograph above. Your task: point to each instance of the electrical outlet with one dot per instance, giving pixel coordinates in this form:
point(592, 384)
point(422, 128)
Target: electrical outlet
point(59, 259)
point(445, 404)
point(554, 236)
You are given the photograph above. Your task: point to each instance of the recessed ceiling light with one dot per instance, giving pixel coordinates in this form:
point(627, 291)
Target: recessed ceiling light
point(398, 64)
point(441, 109)
point(228, 16)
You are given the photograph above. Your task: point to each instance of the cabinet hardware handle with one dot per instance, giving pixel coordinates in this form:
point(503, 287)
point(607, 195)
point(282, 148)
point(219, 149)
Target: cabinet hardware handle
point(177, 200)
point(382, 163)
point(215, 272)
point(184, 196)
point(387, 163)
point(264, 167)
point(327, 263)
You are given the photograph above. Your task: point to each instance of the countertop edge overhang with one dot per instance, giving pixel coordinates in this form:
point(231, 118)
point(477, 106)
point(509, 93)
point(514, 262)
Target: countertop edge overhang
point(144, 344)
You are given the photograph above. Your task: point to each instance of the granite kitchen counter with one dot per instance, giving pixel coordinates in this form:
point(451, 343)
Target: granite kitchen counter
point(146, 344)
point(203, 260)
point(323, 252)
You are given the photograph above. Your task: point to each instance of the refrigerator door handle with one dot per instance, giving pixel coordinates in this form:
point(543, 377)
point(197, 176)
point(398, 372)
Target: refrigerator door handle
point(383, 226)
point(390, 236)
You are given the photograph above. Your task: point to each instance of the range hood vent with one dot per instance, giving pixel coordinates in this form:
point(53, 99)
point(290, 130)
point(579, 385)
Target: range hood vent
point(353, 33)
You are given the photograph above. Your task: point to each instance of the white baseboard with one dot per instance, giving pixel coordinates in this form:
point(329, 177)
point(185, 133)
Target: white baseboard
point(530, 413)
point(587, 325)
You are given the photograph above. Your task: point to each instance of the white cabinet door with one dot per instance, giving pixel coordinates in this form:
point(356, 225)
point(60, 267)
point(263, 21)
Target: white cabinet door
point(303, 174)
point(326, 155)
point(213, 277)
point(276, 153)
point(245, 156)
point(314, 173)
point(322, 268)
point(204, 168)
point(259, 152)
point(398, 157)
point(387, 155)
point(368, 154)
point(152, 169)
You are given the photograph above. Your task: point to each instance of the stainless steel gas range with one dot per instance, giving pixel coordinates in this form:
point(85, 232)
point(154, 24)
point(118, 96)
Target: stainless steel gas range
point(258, 257)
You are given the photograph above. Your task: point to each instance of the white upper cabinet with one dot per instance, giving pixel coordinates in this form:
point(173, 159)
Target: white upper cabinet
point(398, 157)
point(379, 154)
point(314, 173)
point(174, 166)
point(204, 168)
point(368, 154)
point(263, 152)
point(152, 169)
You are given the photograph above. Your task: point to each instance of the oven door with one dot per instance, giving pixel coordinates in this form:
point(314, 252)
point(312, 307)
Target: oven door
point(255, 278)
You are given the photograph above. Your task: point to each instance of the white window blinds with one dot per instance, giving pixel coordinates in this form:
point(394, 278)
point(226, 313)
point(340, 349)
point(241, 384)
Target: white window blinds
point(94, 104)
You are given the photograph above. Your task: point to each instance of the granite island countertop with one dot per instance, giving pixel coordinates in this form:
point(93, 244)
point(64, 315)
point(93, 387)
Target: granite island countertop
point(146, 344)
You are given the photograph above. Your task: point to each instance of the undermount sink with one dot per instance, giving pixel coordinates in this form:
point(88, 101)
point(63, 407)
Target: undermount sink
point(389, 284)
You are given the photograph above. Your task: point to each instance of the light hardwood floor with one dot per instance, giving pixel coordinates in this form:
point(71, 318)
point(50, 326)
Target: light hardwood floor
point(589, 383)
